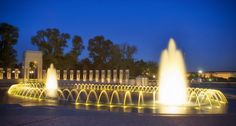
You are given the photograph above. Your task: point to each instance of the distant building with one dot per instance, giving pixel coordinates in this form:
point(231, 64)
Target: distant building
point(218, 74)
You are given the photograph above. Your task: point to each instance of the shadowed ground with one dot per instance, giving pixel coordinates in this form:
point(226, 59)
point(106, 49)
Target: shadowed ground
point(12, 115)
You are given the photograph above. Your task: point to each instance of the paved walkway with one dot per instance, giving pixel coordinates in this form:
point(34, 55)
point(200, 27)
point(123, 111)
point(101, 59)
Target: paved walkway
point(16, 115)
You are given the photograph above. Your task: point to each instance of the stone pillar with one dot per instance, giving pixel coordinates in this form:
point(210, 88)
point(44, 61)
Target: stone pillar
point(90, 75)
point(39, 70)
point(1, 73)
point(16, 73)
point(44, 74)
point(58, 75)
point(127, 76)
point(97, 76)
point(114, 76)
point(103, 76)
point(26, 73)
point(64, 74)
point(8, 73)
point(84, 75)
point(108, 76)
point(78, 75)
point(121, 74)
point(71, 74)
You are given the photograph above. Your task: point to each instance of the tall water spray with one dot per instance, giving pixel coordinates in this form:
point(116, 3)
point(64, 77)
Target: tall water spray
point(51, 82)
point(172, 77)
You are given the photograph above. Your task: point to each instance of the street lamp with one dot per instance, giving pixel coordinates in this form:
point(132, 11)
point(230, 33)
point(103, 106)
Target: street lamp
point(200, 71)
point(199, 75)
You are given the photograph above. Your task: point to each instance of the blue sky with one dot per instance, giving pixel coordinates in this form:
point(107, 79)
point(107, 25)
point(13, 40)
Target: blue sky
point(204, 30)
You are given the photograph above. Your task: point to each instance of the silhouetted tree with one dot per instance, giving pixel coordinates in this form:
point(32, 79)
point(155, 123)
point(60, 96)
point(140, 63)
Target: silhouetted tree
point(8, 38)
point(100, 51)
point(52, 43)
point(116, 61)
point(72, 56)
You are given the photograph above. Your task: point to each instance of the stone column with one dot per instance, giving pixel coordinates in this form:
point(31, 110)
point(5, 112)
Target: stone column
point(78, 75)
point(44, 74)
point(16, 73)
point(39, 73)
point(8, 73)
point(114, 76)
point(108, 76)
point(103, 76)
point(64, 74)
point(84, 75)
point(126, 76)
point(26, 74)
point(1, 73)
point(71, 74)
point(97, 76)
point(121, 74)
point(90, 75)
point(58, 75)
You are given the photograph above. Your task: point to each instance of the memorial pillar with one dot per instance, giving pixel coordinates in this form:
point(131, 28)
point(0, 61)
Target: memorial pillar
point(84, 75)
point(64, 74)
point(16, 73)
point(114, 76)
point(108, 76)
point(78, 75)
point(103, 76)
point(8, 73)
point(1, 73)
point(127, 76)
point(71, 74)
point(90, 75)
point(121, 77)
point(97, 76)
point(58, 75)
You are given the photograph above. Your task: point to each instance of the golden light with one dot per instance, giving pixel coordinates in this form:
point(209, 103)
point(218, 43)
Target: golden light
point(51, 82)
point(172, 83)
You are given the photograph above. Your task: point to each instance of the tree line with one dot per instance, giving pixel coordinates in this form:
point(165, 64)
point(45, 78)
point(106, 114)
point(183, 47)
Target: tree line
point(103, 53)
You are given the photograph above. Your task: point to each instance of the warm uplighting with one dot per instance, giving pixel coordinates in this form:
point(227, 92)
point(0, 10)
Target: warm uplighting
point(154, 76)
point(172, 84)
point(31, 72)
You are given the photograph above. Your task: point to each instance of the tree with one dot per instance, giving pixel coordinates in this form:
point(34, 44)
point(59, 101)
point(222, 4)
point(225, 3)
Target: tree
point(76, 50)
point(100, 51)
point(8, 38)
point(128, 61)
point(128, 51)
point(86, 64)
point(51, 42)
point(116, 61)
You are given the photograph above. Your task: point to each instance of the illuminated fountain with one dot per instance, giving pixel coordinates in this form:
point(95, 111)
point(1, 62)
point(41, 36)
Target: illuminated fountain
point(172, 91)
point(51, 82)
point(172, 77)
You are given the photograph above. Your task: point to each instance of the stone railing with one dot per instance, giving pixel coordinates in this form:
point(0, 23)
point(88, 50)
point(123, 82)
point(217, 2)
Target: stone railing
point(102, 76)
point(9, 73)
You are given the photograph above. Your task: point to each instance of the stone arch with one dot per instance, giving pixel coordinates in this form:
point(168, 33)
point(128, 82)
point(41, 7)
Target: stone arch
point(35, 56)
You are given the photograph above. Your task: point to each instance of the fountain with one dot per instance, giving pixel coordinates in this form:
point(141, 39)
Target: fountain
point(51, 82)
point(172, 96)
point(172, 77)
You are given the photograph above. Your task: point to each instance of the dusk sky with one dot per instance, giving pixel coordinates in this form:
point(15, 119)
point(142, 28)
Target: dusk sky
point(204, 30)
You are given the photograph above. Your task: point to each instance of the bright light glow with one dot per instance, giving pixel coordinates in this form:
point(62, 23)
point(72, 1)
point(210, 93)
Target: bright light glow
point(51, 82)
point(154, 76)
point(200, 71)
point(172, 80)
